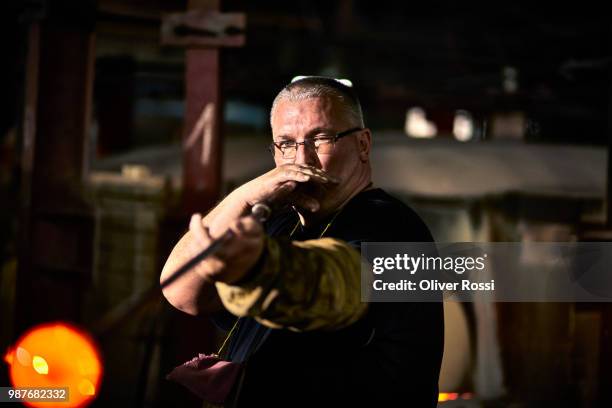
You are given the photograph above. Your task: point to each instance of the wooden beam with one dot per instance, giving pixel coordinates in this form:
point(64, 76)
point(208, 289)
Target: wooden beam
point(204, 29)
point(55, 249)
point(202, 145)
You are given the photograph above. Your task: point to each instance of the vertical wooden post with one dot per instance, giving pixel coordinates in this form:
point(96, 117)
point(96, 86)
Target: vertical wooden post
point(202, 147)
point(55, 248)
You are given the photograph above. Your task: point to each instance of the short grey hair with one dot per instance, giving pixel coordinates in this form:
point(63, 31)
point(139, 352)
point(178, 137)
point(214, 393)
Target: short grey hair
point(322, 87)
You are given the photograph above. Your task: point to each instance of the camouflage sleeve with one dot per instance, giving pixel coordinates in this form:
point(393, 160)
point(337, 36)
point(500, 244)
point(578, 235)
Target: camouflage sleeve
point(301, 286)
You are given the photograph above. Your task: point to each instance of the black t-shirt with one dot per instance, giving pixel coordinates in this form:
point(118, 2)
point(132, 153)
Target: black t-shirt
point(390, 357)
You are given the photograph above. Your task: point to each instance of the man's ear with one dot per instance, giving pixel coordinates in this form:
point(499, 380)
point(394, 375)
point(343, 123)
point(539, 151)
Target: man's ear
point(365, 144)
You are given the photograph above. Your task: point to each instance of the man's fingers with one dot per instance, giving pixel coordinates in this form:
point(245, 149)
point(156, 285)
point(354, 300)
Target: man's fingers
point(318, 173)
point(292, 175)
point(246, 227)
point(303, 174)
point(285, 180)
point(241, 245)
point(247, 232)
point(290, 192)
point(287, 193)
point(281, 194)
point(310, 174)
point(285, 189)
point(197, 229)
point(314, 169)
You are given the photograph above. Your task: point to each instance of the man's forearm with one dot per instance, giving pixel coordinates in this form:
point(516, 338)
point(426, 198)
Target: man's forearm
point(301, 286)
point(229, 209)
point(191, 293)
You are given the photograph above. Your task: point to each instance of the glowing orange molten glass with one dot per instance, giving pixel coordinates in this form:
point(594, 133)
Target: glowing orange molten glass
point(57, 355)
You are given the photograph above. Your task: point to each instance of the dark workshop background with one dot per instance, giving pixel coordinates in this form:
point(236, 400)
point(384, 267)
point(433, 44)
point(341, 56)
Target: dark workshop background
point(494, 126)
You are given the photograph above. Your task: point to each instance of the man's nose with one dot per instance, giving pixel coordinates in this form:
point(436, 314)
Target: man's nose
point(307, 154)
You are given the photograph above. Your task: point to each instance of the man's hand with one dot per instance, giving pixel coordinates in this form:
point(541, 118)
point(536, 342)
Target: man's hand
point(238, 254)
point(295, 184)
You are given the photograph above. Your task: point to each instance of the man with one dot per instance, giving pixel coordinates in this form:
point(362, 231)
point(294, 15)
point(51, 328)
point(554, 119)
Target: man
point(306, 338)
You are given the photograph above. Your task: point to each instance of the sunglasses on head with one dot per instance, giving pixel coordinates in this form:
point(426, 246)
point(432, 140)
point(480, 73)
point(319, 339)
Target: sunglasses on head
point(345, 82)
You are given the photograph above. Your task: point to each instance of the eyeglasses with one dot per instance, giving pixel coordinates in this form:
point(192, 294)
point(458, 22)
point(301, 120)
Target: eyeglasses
point(321, 144)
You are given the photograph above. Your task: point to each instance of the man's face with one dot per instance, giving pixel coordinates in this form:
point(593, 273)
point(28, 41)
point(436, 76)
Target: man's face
point(306, 119)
